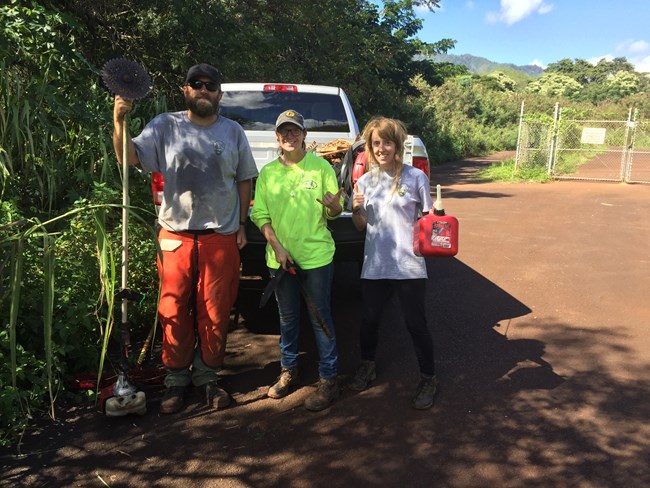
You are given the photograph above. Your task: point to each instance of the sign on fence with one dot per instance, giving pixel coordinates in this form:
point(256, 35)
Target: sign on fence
point(593, 135)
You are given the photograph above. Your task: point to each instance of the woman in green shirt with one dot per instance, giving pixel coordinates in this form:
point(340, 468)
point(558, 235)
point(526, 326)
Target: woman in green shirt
point(295, 195)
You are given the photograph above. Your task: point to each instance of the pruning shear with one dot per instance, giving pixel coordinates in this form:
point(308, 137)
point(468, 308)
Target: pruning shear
point(294, 270)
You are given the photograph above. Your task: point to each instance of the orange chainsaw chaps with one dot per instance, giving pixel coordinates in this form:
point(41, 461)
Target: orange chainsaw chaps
point(216, 292)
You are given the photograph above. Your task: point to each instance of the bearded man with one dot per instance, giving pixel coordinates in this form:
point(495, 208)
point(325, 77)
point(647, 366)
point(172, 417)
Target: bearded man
point(207, 165)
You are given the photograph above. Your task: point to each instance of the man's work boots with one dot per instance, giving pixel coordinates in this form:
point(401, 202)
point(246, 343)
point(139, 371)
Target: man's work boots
point(173, 400)
point(287, 380)
point(216, 396)
point(326, 393)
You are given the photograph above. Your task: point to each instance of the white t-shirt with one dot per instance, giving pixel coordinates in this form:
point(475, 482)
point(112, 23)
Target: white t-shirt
point(388, 252)
point(201, 167)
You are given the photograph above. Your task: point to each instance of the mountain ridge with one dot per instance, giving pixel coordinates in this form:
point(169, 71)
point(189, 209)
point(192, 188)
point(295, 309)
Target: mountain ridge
point(480, 65)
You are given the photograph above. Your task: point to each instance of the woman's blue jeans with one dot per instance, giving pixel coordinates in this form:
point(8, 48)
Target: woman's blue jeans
point(317, 283)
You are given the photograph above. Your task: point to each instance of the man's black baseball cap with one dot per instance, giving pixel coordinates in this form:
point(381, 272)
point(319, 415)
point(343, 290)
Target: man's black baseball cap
point(203, 69)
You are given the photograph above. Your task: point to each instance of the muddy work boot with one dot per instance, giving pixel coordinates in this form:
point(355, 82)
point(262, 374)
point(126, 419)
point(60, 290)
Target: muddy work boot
point(365, 375)
point(287, 380)
point(326, 392)
point(424, 393)
point(215, 396)
point(173, 400)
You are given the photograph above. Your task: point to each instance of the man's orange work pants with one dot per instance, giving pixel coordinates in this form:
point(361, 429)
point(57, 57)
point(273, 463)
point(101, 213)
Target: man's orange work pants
point(199, 275)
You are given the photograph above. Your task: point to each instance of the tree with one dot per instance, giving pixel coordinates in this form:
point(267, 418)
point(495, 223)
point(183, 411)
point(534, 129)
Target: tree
point(587, 73)
point(623, 84)
point(501, 81)
point(554, 84)
point(351, 43)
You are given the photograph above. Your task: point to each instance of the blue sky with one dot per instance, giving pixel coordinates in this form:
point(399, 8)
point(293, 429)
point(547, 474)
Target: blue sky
point(543, 31)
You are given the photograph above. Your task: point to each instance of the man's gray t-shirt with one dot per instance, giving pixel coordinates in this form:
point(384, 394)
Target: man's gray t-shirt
point(201, 167)
point(391, 215)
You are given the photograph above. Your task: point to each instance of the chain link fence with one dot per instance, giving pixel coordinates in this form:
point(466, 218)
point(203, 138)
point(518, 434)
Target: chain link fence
point(600, 150)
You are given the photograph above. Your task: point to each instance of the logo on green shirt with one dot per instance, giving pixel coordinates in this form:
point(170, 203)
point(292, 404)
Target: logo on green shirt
point(310, 185)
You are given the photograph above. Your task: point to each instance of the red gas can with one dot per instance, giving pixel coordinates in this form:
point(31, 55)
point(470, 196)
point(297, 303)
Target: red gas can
point(436, 234)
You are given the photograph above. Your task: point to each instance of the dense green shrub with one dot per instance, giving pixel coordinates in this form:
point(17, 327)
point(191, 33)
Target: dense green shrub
point(57, 171)
point(462, 118)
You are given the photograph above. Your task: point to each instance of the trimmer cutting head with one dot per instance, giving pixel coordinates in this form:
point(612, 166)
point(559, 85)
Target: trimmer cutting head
point(125, 400)
point(126, 78)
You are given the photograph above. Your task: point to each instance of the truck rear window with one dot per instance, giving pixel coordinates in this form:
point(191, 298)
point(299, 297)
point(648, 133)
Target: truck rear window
point(259, 110)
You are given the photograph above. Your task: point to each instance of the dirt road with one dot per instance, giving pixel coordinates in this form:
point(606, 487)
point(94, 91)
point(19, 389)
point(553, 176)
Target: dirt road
point(542, 349)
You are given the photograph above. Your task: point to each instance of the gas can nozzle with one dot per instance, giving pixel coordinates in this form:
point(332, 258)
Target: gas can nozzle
point(438, 209)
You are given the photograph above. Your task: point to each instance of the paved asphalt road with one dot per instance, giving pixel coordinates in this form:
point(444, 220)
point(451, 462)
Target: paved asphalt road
point(542, 349)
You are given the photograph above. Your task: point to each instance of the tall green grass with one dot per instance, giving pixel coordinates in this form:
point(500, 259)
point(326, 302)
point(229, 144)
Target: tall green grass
point(60, 229)
point(568, 162)
point(505, 172)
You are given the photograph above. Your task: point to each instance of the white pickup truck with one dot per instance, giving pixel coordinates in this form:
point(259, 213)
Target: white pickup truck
point(328, 117)
point(326, 109)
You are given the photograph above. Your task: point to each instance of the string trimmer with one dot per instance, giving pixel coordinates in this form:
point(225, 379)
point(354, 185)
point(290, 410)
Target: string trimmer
point(128, 80)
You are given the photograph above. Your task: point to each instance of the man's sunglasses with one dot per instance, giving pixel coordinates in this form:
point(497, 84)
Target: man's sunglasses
point(209, 85)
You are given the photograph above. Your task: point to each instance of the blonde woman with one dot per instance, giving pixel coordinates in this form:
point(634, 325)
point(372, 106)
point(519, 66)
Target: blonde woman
point(387, 201)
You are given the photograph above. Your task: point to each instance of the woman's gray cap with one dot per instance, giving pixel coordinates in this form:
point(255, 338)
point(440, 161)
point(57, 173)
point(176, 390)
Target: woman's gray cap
point(290, 117)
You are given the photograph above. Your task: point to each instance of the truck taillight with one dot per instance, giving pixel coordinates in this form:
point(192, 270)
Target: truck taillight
point(281, 88)
point(422, 164)
point(157, 186)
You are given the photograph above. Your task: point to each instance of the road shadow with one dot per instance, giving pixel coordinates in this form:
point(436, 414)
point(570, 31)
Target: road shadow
point(469, 317)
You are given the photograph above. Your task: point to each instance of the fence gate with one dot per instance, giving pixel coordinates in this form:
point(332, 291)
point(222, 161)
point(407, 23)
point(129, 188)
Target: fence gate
point(638, 165)
point(590, 150)
point(598, 150)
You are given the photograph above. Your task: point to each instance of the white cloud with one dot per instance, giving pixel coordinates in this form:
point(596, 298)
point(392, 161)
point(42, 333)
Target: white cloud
point(639, 47)
point(512, 11)
point(537, 62)
point(642, 65)
point(633, 46)
point(637, 53)
point(594, 60)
